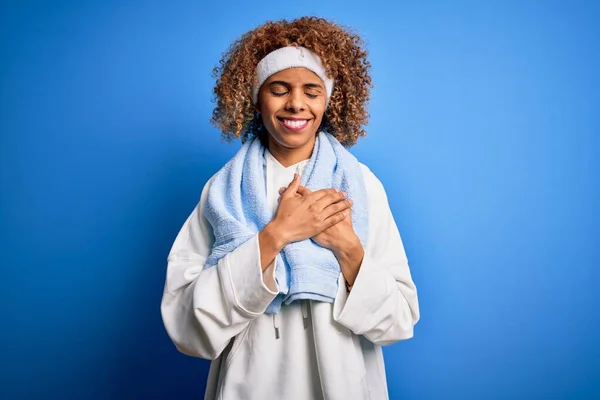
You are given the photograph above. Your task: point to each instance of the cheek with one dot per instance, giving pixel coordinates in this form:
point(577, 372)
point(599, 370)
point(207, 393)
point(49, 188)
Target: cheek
point(267, 117)
point(267, 106)
point(319, 113)
point(318, 108)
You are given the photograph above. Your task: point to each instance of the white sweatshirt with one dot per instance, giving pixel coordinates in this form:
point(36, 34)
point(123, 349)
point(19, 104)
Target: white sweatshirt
point(310, 350)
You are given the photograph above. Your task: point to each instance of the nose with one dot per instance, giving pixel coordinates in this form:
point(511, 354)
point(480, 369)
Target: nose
point(295, 101)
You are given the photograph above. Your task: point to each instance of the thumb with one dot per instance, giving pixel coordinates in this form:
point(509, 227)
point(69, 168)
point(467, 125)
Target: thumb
point(293, 186)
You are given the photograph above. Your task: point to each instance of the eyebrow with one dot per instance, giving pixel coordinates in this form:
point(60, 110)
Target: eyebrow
point(306, 85)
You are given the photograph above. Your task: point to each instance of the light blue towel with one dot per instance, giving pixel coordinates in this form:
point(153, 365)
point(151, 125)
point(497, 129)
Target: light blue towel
point(237, 209)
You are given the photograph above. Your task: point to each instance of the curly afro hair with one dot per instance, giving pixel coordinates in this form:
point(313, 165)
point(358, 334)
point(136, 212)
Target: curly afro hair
point(345, 60)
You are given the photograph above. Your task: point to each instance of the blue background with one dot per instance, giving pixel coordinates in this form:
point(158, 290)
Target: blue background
point(484, 130)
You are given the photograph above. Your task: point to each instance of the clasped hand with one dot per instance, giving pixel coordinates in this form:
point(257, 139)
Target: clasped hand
point(323, 215)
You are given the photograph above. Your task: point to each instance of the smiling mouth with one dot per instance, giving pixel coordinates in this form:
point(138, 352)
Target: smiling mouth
point(294, 124)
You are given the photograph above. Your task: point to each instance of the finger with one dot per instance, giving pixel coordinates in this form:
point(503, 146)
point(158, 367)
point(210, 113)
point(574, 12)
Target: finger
point(281, 190)
point(336, 219)
point(337, 207)
point(293, 186)
point(319, 194)
point(304, 191)
point(330, 198)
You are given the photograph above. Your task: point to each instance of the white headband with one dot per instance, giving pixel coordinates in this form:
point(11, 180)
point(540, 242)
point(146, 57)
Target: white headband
point(290, 57)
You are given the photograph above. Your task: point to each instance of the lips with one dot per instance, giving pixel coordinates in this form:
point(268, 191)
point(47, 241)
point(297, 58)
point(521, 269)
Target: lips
point(294, 124)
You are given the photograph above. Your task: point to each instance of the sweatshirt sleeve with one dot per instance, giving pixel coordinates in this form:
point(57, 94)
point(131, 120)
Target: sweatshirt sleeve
point(382, 304)
point(203, 309)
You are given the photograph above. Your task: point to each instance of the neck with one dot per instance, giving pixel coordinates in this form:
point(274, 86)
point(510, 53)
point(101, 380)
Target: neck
point(290, 156)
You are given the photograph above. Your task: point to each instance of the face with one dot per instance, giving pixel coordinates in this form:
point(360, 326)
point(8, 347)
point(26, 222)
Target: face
point(292, 103)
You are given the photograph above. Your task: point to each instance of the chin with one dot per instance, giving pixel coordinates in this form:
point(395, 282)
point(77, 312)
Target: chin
point(292, 141)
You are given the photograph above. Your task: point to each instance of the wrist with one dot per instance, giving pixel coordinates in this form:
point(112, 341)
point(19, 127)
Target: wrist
point(350, 258)
point(349, 250)
point(275, 235)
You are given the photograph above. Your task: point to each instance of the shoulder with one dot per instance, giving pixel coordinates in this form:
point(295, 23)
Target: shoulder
point(204, 194)
point(207, 184)
point(375, 190)
point(369, 176)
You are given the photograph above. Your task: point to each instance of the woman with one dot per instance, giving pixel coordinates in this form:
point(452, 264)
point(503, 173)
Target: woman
point(290, 274)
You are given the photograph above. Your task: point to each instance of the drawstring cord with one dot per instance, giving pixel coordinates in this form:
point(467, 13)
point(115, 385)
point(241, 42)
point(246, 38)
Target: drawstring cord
point(276, 325)
point(305, 313)
point(304, 305)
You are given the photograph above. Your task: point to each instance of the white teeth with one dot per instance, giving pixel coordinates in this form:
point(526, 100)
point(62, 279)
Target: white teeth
point(294, 123)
